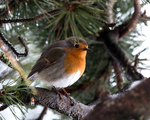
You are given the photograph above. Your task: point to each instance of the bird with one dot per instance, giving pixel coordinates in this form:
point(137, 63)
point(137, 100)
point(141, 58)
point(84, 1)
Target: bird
point(62, 63)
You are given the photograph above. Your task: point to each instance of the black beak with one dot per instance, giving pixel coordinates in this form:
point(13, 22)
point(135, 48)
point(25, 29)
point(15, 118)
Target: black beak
point(87, 49)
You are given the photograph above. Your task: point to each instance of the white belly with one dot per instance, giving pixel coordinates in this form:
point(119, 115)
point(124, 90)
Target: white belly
point(64, 81)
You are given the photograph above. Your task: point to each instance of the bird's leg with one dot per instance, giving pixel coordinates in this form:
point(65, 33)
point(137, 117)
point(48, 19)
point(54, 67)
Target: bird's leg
point(57, 92)
point(67, 95)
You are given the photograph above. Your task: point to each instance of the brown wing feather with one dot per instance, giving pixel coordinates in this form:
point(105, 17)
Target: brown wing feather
point(47, 59)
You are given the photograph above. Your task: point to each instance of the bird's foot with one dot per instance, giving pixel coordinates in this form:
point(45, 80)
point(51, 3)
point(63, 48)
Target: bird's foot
point(57, 92)
point(67, 95)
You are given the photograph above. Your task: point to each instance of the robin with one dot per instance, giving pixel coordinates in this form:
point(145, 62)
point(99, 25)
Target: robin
point(62, 63)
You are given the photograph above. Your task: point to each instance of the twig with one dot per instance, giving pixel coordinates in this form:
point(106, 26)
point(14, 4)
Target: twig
point(8, 7)
point(12, 47)
point(29, 19)
point(136, 61)
point(144, 16)
point(127, 28)
point(25, 46)
point(43, 113)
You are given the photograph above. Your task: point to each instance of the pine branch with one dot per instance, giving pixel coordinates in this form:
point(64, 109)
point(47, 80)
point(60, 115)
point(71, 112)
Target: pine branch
point(144, 16)
point(29, 19)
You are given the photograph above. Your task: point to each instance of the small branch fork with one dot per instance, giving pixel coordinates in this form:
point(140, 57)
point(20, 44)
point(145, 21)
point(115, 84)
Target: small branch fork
point(12, 47)
point(144, 16)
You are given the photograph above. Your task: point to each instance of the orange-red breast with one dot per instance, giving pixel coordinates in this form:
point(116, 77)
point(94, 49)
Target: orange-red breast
point(62, 63)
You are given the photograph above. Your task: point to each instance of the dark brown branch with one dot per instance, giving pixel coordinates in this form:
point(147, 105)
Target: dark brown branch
point(144, 16)
point(119, 75)
point(8, 7)
point(43, 113)
point(127, 28)
point(29, 19)
point(25, 46)
point(134, 104)
point(12, 47)
point(110, 38)
point(136, 61)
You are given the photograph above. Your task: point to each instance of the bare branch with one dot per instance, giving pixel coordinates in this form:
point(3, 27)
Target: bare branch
point(144, 16)
point(133, 104)
point(127, 28)
point(25, 46)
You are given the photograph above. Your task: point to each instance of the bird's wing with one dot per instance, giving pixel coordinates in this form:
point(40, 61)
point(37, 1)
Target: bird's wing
point(47, 59)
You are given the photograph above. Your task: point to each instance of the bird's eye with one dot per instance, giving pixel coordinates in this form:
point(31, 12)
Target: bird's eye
point(76, 45)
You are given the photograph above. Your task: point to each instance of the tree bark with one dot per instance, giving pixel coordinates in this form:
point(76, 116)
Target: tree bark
point(134, 104)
